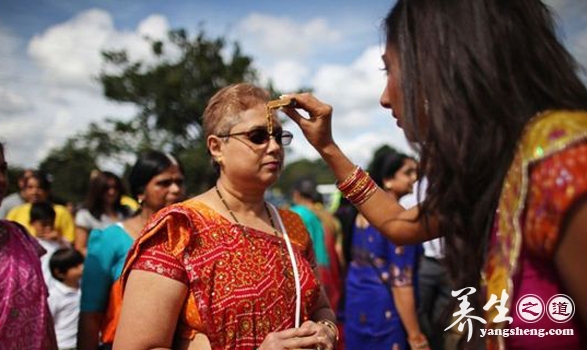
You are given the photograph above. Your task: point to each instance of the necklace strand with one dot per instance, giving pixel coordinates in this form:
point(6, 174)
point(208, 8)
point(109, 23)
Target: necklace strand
point(275, 232)
point(286, 272)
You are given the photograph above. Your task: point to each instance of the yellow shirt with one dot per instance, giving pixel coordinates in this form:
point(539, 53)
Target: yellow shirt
point(63, 220)
point(129, 202)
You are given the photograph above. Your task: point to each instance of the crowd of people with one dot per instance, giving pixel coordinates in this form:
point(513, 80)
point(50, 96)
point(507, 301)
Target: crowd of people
point(493, 209)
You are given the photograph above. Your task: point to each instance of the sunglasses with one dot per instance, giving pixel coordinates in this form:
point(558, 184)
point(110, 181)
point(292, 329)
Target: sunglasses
point(262, 136)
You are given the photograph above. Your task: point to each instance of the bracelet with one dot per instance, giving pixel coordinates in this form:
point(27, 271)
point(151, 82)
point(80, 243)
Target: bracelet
point(357, 187)
point(418, 342)
point(332, 326)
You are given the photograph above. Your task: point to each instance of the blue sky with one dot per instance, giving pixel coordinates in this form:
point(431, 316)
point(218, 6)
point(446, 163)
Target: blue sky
point(49, 51)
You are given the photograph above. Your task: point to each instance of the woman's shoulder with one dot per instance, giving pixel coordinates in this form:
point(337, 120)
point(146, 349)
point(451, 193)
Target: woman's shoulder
point(296, 229)
point(110, 236)
point(551, 131)
point(556, 185)
point(18, 211)
point(194, 209)
point(10, 230)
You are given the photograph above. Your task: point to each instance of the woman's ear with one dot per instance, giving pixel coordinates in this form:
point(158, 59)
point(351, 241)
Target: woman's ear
point(387, 184)
point(214, 144)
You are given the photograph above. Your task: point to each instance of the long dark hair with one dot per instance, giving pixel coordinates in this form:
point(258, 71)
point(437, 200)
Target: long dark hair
point(385, 165)
point(98, 187)
point(484, 68)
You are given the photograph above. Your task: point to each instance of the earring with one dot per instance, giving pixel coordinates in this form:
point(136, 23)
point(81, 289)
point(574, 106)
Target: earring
point(140, 201)
point(426, 106)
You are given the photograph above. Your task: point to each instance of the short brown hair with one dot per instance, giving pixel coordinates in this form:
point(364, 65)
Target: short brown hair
point(224, 108)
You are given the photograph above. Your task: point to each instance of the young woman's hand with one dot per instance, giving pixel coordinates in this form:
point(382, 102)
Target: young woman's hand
point(317, 126)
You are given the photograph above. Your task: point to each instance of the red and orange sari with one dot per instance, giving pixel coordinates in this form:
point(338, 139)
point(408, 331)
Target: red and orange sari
point(240, 280)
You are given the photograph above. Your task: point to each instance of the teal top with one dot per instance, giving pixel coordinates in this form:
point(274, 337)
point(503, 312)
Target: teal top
point(316, 231)
point(107, 250)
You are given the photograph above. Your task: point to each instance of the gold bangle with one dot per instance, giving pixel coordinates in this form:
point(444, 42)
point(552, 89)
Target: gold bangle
point(332, 326)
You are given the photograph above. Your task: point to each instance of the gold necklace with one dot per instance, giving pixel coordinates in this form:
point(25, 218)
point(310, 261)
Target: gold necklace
point(286, 271)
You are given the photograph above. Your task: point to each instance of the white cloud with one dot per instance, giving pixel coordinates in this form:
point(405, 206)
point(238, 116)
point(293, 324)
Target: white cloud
point(356, 86)
point(281, 37)
point(360, 124)
point(571, 18)
point(69, 53)
point(286, 75)
point(155, 27)
point(52, 92)
point(12, 102)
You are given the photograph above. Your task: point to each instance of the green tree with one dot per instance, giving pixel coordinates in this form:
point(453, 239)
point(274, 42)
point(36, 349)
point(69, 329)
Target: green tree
point(70, 167)
point(170, 95)
point(316, 169)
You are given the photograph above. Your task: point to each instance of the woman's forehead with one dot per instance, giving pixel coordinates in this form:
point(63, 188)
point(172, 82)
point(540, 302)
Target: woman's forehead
point(257, 116)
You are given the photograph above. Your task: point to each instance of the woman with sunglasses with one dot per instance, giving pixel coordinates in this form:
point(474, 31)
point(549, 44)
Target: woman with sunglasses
point(225, 269)
point(156, 181)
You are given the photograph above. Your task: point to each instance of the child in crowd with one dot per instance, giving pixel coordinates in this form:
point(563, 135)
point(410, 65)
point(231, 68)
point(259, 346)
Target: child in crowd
point(67, 265)
point(42, 220)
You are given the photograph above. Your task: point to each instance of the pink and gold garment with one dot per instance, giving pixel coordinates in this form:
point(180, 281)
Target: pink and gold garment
point(240, 281)
point(546, 178)
point(25, 320)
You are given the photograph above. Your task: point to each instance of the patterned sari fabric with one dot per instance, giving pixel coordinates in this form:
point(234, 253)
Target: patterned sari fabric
point(546, 178)
point(25, 320)
point(240, 280)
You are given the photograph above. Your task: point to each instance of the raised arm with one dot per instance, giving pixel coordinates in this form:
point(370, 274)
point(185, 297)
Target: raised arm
point(382, 211)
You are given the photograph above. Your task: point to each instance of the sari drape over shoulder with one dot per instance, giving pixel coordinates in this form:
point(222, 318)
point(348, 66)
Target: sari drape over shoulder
point(546, 178)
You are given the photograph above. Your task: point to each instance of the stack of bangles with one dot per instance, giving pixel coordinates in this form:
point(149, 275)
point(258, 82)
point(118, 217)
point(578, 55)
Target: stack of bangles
point(418, 342)
point(333, 327)
point(357, 187)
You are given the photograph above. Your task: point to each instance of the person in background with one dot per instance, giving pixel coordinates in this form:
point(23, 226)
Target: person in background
point(225, 269)
point(156, 181)
point(102, 207)
point(333, 240)
point(38, 189)
point(17, 198)
point(66, 265)
point(43, 222)
point(434, 284)
point(304, 194)
point(381, 283)
point(25, 320)
point(498, 111)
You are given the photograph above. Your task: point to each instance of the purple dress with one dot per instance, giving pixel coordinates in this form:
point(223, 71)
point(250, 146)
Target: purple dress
point(371, 320)
point(25, 320)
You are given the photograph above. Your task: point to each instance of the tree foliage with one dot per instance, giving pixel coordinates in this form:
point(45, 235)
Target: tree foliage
point(170, 95)
point(316, 169)
point(70, 168)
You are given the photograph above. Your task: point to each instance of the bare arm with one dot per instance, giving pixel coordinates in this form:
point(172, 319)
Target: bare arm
point(382, 211)
point(405, 303)
point(570, 260)
point(81, 239)
point(323, 309)
point(88, 330)
point(151, 302)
